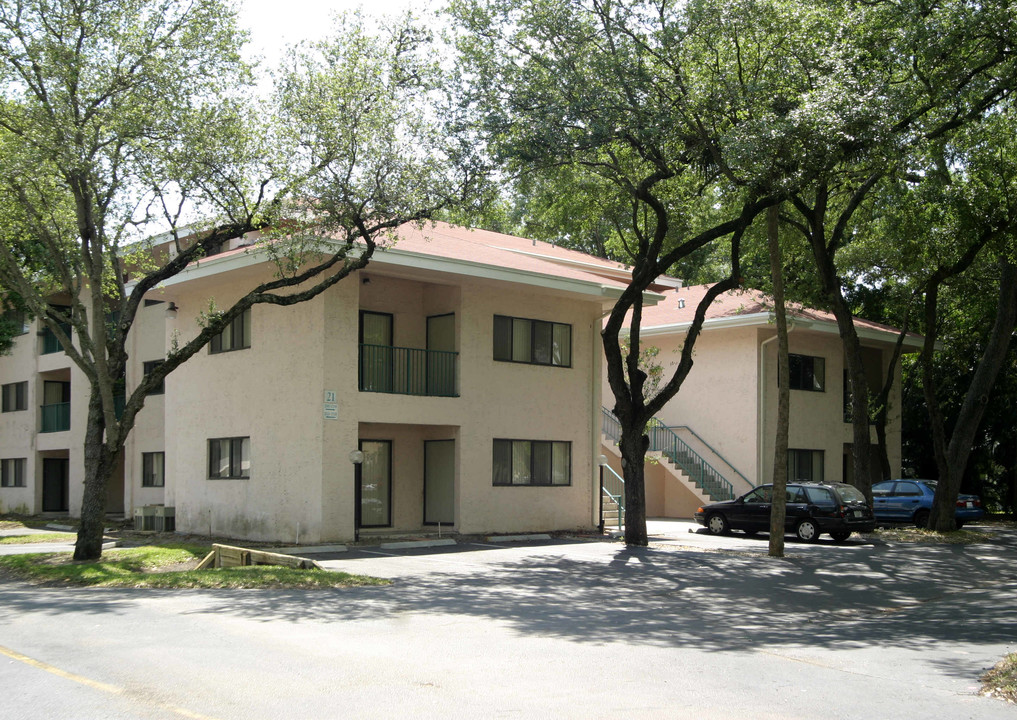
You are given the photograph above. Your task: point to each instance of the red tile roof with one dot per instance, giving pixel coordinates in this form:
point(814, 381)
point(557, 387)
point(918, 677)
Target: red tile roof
point(733, 304)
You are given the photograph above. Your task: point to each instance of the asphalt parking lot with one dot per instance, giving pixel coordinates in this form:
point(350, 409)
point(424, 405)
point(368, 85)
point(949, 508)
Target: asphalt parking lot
point(693, 626)
point(466, 557)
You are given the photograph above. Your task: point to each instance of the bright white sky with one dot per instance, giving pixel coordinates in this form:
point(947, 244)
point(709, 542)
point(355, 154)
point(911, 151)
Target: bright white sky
point(274, 24)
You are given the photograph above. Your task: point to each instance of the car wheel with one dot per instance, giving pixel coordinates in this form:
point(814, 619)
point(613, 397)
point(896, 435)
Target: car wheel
point(922, 519)
point(807, 531)
point(840, 536)
point(717, 524)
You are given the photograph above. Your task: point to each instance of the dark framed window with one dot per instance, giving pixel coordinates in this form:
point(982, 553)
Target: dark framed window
point(235, 336)
point(15, 396)
point(805, 465)
point(537, 342)
point(12, 472)
point(150, 303)
point(229, 458)
point(153, 469)
point(17, 320)
point(149, 366)
point(807, 372)
point(532, 462)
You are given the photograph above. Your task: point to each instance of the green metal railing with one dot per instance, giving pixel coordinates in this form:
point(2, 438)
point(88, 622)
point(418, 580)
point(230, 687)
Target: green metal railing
point(50, 344)
point(612, 486)
point(665, 441)
point(408, 371)
point(685, 428)
point(56, 417)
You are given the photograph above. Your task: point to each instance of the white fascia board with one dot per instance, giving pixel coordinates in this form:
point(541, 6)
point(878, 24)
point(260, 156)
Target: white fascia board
point(824, 326)
point(619, 272)
point(716, 323)
point(217, 264)
point(394, 257)
point(622, 274)
point(865, 333)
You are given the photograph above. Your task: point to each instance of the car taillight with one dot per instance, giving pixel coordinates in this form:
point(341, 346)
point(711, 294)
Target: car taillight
point(841, 512)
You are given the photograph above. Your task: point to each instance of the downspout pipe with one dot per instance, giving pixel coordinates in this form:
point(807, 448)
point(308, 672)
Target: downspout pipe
point(761, 407)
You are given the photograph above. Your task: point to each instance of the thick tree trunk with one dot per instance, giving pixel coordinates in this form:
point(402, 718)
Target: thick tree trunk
point(884, 450)
point(778, 508)
point(975, 400)
point(99, 466)
point(633, 445)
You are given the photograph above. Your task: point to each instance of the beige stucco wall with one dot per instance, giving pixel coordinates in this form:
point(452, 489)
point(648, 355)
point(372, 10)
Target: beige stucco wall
point(270, 392)
point(720, 397)
point(146, 342)
point(302, 479)
point(18, 429)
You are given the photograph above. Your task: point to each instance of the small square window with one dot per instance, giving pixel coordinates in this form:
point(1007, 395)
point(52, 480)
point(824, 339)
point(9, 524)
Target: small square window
point(229, 458)
point(153, 469)
point(12, 472)
point(149, 366)
point(805, 465)
point(807, 372)
point(15, 396)
point(235, 336)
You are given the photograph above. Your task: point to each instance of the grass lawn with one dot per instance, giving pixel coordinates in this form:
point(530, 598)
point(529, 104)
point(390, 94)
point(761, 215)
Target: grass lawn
point(1001, 681)
point(53, 537)
point(167, 566)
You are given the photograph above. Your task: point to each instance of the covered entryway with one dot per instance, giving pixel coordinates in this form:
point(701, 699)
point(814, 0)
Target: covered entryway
point(439, 482)
point(55, 484)
point(374, 485)
point(407, 481)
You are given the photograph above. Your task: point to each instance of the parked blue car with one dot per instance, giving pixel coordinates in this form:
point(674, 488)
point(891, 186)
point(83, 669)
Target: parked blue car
point(910, 501)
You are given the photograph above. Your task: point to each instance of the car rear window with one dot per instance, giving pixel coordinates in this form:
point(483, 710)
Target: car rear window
point(851, 494)
point(820, 496)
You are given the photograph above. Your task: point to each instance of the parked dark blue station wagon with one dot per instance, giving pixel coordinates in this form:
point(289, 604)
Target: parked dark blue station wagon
point(812, 509)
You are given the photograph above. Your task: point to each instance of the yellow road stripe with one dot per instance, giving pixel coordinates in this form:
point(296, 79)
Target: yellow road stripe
point(94, 684)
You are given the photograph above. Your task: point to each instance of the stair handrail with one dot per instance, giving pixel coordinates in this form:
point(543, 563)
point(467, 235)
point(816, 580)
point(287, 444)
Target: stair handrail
point(665, 440)
point(696, 435)
point(619, 498)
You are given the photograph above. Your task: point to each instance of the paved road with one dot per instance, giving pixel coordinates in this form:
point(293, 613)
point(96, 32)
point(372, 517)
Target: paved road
point(562, 630)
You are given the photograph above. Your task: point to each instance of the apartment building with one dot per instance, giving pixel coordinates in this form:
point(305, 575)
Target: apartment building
point(452, 384)
point(716, 438)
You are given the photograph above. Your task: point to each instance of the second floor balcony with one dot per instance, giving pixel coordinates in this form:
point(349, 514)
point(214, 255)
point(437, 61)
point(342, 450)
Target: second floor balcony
point(50, 344)
point(407, 371)
point(55, 417)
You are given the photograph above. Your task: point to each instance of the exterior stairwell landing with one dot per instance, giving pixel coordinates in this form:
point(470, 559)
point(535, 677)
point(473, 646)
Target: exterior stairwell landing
point(687, 479)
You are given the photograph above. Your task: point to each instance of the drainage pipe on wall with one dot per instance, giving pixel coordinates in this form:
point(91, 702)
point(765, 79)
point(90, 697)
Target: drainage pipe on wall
point(761, 406)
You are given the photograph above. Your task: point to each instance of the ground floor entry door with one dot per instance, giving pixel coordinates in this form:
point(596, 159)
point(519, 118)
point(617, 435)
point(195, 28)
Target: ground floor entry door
point(374, 484)
point(54, 484)
point(439, 482)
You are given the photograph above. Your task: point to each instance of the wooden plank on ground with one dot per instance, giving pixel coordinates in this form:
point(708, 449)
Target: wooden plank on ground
point(230, 556)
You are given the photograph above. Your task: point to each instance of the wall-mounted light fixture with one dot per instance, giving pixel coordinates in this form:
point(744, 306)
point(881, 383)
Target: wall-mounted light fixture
point(171, 311)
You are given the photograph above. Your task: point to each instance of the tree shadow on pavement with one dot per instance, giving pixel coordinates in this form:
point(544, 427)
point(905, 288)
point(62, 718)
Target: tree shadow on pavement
point(895, 595)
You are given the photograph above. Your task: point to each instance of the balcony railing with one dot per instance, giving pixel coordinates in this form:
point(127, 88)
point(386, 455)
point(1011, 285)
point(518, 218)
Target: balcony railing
point(56, 417)
point(50, 344)
point(408, 371)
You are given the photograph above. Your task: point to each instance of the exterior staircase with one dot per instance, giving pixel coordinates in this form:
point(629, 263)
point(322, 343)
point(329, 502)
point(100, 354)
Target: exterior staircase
point(684, 462)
